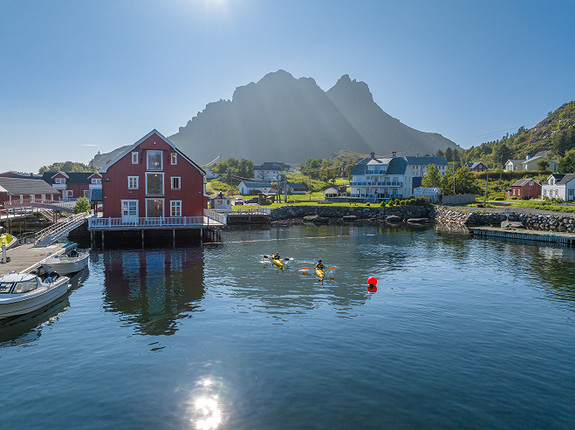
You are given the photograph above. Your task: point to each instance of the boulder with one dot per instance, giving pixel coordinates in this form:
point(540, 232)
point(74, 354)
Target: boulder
point(512, 224)
point(418, 220)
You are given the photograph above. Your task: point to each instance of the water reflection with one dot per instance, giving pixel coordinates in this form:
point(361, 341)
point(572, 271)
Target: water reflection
point(152, 289)
point(25, 329)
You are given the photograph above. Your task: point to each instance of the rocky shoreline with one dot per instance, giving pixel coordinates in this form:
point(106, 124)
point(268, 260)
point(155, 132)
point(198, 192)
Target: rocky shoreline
point(417, 215)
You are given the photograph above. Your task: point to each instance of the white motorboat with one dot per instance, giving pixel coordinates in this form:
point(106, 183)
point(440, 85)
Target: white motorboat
point(66, 263)
point(21, 293)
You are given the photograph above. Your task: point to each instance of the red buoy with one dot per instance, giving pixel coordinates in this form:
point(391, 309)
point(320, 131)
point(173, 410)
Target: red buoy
point(371, 289)
point(371, 281)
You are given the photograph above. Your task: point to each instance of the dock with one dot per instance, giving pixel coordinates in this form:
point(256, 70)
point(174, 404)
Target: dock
point(551, 237)
point(26, 258)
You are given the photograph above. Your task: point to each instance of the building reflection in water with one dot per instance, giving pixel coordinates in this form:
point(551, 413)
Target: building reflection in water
point(152, 289)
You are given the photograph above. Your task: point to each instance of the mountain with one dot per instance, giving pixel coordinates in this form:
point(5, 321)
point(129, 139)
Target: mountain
point(287, 119)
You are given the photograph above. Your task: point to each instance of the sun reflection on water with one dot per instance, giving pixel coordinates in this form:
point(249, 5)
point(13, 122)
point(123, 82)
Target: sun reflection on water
point(205, 407)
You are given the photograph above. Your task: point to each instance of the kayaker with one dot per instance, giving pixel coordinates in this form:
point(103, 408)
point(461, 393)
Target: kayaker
point(319, 265)
point(276, 256)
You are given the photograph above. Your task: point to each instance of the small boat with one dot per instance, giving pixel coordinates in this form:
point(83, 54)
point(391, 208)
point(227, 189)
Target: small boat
point(8, 241)
point(72, 262)
point(22, 293)
point(320, 273)
point(278, 263)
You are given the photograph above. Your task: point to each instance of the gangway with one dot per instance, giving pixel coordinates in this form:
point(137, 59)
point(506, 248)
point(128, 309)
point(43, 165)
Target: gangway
point(57, 231)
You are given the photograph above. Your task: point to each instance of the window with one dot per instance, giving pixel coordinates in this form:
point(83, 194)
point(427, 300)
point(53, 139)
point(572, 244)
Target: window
point(96, 181)
point(87, 194)
point(135, 157)
point(176, 208)
point(155, 183)
point(154, 160)
point(59, 180)
point(129, 208)
point(173, 158)
point(154, 208)
point(133, 183)
point(176, 182)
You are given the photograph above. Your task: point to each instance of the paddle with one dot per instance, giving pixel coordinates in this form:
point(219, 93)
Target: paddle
point(286, 259)
point(329, 268)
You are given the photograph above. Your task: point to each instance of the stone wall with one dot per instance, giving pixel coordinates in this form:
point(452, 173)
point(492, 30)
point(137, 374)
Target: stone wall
point(461, 218)
point(339, 212)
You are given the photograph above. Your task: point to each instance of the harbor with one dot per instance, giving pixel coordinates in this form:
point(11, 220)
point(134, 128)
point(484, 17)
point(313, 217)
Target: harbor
point(547, 237)
point(27, 258)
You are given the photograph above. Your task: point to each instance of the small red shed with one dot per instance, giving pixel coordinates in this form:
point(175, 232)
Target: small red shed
point(524, 189)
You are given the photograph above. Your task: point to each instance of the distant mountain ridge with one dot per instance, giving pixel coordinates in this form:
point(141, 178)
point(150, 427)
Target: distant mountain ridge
point(288, 119)
point(281, 118)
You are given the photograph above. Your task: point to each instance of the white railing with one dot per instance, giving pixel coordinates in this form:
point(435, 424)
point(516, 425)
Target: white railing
point(145, 222)
point(217, 216)
point(58, 230)
point(29, 202)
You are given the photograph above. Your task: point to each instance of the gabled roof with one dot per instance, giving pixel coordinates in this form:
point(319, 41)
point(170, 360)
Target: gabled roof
point(60, 173)
point(426, 161)
point(474, 165)
point(272, 165)
point(257, 184)
point(74, 178)
point(522, 182)
point(95, 173)
point(538, 157)
point(568, 177)
point(136, 144)
point(17, 186)
point(395, 165)
point(516, 161)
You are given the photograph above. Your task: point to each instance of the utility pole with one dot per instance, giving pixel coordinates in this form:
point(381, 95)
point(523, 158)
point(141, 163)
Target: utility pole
point(486, 184)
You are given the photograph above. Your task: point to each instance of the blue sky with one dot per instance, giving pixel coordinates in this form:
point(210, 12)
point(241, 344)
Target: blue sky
point(77, 77)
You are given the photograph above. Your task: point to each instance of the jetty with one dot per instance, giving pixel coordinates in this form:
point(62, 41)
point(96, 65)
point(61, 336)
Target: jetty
point(566, 239)
point(26, 258)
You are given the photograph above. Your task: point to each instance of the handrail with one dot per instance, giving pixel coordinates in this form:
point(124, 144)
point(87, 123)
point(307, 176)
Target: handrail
point(145, 222)
point(60, 226)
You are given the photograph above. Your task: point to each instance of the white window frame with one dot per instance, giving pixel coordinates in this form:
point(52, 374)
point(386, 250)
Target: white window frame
point(96, 181)
point(176, 205)
point(133, 182)
point(135, 157)
point(150, 152)
point(173, 158)
point(59, 180)
point(174, 178)
point(129, 203)
point(163, 183)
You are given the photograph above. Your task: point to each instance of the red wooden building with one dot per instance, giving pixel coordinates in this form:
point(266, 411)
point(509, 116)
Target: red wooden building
point(524, 189)
point(74, 185)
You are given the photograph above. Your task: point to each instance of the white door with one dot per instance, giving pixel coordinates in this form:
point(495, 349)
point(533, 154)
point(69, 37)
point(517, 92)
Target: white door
point(129, 211)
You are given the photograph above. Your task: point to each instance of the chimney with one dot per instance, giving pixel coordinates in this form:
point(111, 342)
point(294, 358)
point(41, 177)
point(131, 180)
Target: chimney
point(373, 155)
point(393, 154)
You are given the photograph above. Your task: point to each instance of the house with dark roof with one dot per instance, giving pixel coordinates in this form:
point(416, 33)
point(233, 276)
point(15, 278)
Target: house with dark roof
point(16, 190)
point(559, 186)
point(524, 189)
point(270, 171)
point(74, 185)
point(478, 166)
point(248, 188)
point(375, 179)
point(530, 163)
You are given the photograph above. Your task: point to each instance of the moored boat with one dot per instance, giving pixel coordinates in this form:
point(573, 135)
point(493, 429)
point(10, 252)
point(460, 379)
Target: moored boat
point(65, 264)
point(8, 240)
point(22, 293)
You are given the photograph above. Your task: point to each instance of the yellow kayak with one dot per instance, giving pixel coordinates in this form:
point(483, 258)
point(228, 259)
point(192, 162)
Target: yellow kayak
point(278, 263)
point(320, 273)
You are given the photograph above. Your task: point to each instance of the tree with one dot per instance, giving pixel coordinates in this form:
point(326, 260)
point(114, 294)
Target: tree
point(432, 177)
point(233, 170)
point(449, 154)
point(567, 163)
point(68, 167)
point(82, 205)
point(439, 153)
point(542, 164)
point(501, 154)
point(464, 181)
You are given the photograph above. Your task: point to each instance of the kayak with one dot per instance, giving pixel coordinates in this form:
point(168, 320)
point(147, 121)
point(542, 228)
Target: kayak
point(320, 273)
point(278, 263)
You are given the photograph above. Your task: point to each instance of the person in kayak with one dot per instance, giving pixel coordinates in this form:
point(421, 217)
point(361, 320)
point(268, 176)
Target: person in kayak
point(319, 265)
point(276, 256)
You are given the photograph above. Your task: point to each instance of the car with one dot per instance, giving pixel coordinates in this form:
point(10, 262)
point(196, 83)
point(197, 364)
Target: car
point(253, 200)
point(238, 202)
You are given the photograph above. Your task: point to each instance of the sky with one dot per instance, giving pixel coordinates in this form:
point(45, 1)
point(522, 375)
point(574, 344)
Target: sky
point(78, 77)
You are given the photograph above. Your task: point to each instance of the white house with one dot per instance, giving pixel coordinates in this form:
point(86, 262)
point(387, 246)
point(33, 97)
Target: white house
point(530, 163)
point(376, 179)
point(220, 201)
point(270, 171)
point(559, 187)
point(255, 187)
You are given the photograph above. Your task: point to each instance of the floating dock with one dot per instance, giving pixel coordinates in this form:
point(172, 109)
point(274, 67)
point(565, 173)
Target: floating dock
point(26, 258)
point(566, 239)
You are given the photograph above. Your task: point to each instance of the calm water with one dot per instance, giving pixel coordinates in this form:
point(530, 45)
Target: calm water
point(462, 333)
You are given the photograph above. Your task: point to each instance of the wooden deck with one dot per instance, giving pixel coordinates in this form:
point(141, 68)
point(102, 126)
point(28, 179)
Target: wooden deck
point(567, 239)
point(26, 258)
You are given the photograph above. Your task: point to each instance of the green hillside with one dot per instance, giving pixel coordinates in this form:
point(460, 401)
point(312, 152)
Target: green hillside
point(556, 133)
